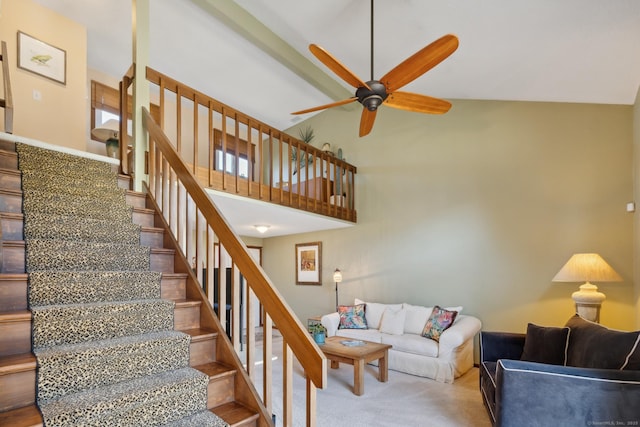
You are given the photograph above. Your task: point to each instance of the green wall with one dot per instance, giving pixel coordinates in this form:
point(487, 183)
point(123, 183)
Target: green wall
point(636, 181)
point(479, 207)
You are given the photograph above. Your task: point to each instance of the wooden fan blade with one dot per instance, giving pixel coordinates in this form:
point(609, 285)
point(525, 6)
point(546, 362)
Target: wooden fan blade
point(322, 107)
point(334, 65)
point(417, 103)
point(366, 121)
point(420, 62)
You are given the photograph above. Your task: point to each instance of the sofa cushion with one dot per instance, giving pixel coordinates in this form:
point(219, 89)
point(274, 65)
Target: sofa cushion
point(392, 321)
point(374, 311)
point(352, 317)
point(594, 346)
point(546, 345)
point(415, 318)
point(439, 321)
point(411, 343)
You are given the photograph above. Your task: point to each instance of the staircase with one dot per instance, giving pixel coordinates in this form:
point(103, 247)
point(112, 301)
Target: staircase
point(102, 313)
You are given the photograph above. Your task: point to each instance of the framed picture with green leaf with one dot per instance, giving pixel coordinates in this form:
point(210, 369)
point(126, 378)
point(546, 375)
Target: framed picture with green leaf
point(309, 263)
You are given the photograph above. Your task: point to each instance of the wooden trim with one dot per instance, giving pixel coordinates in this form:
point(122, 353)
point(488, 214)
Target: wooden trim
point(7, 102)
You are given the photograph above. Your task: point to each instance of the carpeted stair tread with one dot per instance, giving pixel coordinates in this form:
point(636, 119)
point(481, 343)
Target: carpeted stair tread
point(82, 287)
point(57, 162)
point(148, 401)
point(45, 226)
point(74, 323)
point(105, 181)
point(53, 185)
point(59, 255)
point(72, 368)
point(88, 206)
point(201, 419)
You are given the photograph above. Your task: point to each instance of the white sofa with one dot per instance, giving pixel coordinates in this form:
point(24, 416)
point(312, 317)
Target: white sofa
point(411, 353)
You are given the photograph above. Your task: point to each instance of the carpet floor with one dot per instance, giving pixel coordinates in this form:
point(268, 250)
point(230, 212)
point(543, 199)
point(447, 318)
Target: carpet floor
point(404, 401)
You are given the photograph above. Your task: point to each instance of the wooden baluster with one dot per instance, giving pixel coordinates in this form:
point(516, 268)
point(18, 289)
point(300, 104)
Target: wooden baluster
point(250, 344)
point(212, 156)
point(287, 385)
point(236, 331)
point(267, 366)
point(195, 135)
point(311, 403)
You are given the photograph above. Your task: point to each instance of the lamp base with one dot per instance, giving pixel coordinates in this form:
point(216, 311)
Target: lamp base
point(588, 302)
point(112, 148)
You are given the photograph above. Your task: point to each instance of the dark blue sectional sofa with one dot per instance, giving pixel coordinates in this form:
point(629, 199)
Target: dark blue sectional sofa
point(580, 375)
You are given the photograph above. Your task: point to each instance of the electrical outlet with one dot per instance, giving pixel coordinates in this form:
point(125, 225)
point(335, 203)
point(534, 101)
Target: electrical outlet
point(37, 95)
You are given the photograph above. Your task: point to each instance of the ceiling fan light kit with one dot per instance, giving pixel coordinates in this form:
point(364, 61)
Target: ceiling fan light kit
point(375, 93)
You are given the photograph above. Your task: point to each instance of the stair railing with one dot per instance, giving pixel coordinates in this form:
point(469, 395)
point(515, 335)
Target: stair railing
point(198, 227)
point(7, 101)
point(231, 152)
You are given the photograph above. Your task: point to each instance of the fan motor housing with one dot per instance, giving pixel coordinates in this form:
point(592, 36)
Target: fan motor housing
point(372, 98)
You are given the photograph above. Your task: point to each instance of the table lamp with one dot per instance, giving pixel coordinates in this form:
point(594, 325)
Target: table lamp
point(108, 133)
point(587, 268)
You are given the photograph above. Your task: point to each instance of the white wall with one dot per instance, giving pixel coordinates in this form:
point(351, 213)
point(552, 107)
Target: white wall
point(479, 207)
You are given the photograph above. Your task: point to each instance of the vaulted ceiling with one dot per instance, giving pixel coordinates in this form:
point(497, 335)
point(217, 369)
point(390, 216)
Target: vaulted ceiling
point(253, 54)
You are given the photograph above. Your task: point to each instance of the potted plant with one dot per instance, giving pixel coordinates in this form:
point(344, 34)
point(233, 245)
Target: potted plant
point(304, 159)
point(318, 332)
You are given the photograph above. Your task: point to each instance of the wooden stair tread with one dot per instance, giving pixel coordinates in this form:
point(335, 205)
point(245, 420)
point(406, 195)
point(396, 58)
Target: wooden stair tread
point(234, 413)
point(17, 363)
point(144, 210)
point(152, 229)
point(17, 193)
point(11, 171)
point(28, 416)
point(15, 316)
point(200, 334)
point(187, 303)
point(174, 275)
point(216, 369)
point(13, 276)
point(162, 251)
point(12, 215)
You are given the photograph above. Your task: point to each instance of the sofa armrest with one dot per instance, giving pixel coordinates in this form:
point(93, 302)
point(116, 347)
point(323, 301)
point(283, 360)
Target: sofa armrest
point(462, 330)
point(500, 345)
point(530, 393)
point(331, 322)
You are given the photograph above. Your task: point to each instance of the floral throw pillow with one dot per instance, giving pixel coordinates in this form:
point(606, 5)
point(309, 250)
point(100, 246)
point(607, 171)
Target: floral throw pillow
point(438, 322)
point(352, 317)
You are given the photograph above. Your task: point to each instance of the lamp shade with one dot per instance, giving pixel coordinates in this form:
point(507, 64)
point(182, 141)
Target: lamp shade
point(337, 276)
point(587, 267)
point(107, 130)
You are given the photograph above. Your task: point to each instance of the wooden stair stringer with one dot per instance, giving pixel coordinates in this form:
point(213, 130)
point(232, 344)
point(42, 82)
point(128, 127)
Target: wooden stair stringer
point(246, 409)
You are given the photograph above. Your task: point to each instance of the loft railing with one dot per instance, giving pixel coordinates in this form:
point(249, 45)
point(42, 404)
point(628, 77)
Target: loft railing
point(7, 101)
point(202, 234)
point(229, 151)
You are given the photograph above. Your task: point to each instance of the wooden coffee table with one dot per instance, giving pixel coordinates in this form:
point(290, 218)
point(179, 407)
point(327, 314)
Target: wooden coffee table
point(357, 356)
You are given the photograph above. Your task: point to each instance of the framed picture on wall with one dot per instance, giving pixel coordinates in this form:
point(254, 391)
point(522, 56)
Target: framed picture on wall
point(309, 263)
point(41, 58)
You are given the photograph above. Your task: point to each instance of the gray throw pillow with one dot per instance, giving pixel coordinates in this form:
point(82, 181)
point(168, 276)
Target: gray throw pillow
point(546, 345)
point(594, 346)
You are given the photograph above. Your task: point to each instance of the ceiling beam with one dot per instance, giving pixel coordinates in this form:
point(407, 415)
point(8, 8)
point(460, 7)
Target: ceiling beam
point(246, 25)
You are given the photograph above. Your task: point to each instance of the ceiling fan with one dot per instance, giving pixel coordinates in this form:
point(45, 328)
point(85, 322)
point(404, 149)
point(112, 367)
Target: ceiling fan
point(374, 93)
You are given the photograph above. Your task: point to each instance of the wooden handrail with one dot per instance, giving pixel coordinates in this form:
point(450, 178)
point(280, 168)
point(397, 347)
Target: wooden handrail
point(7, 102)
point(166, 171)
